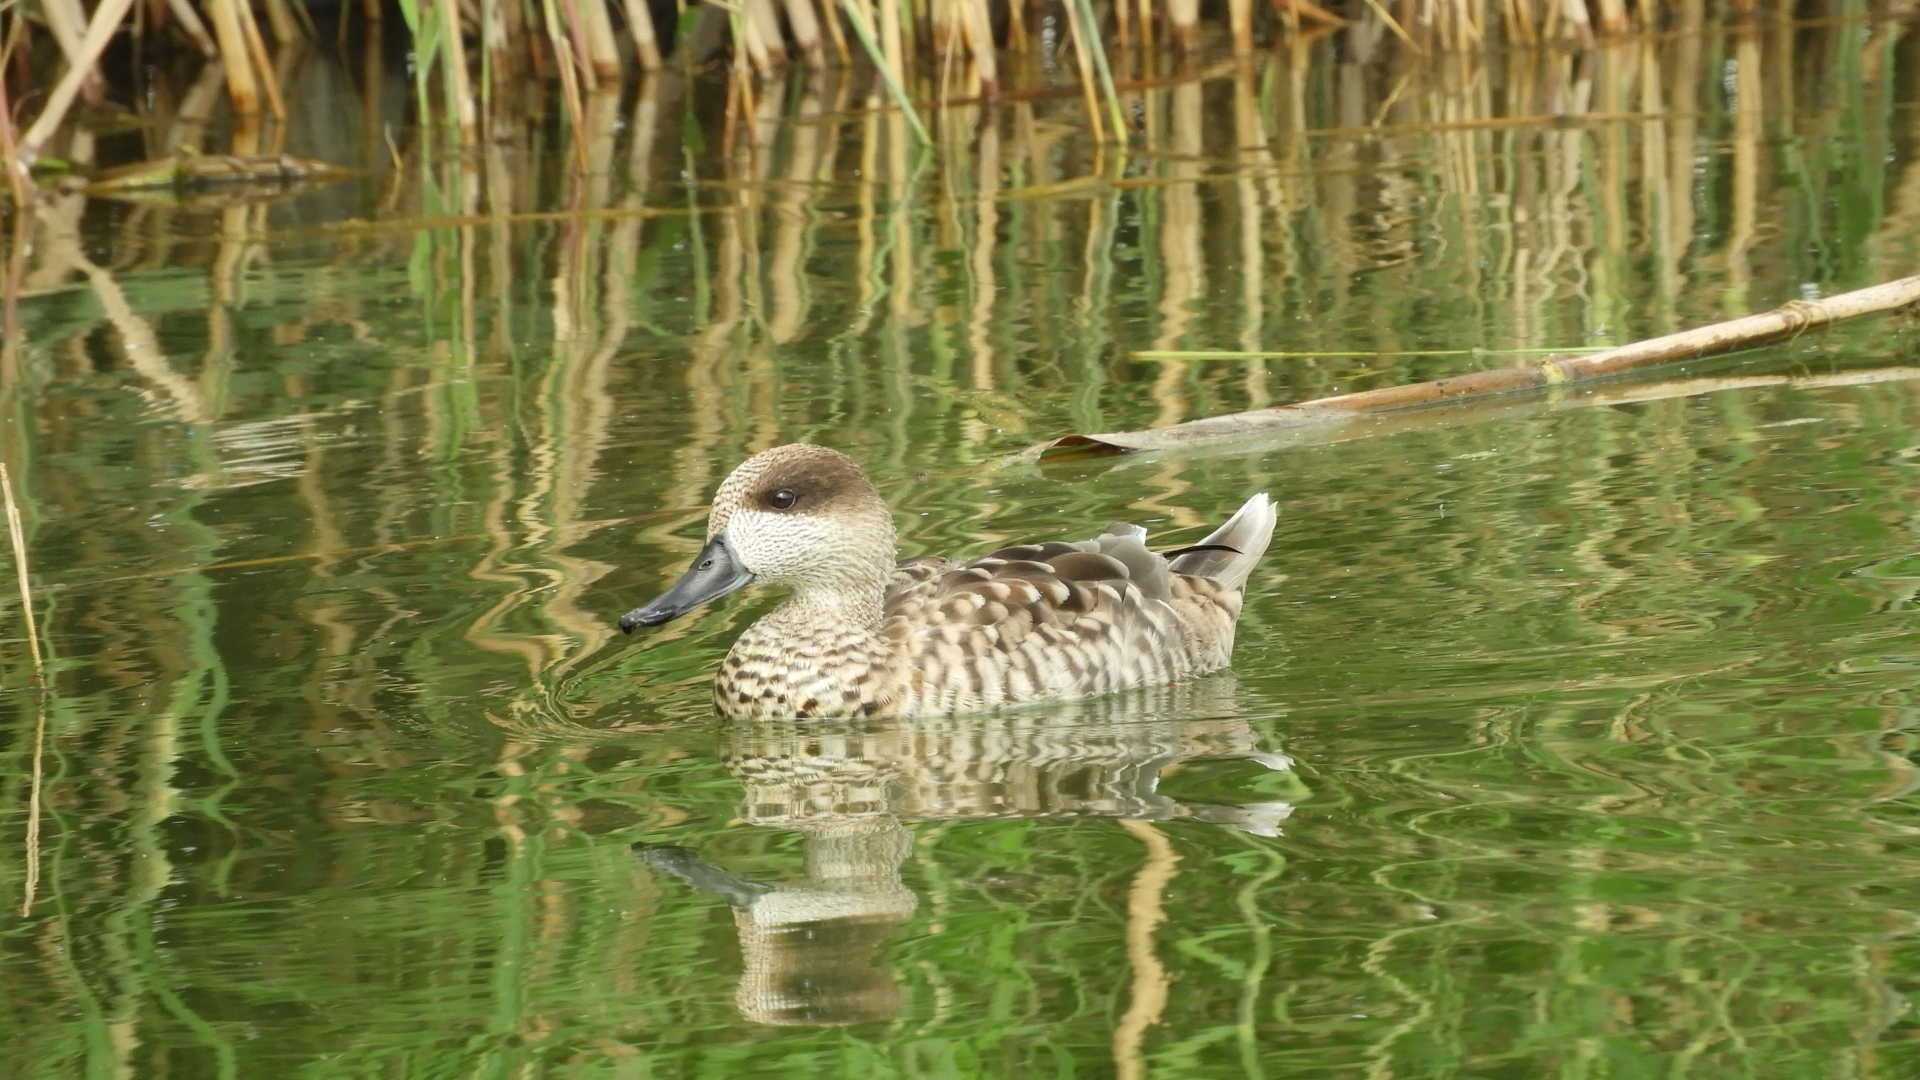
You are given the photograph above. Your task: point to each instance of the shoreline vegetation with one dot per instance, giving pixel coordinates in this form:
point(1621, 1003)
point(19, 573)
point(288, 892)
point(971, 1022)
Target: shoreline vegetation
point(468, 60)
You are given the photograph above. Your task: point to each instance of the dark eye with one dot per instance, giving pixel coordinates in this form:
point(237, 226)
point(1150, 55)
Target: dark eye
point(784, 498)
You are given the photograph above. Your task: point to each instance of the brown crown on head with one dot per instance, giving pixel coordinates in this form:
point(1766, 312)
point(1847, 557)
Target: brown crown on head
point(821, 481)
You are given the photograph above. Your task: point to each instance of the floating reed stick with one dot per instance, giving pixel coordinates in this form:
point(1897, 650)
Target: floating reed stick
point(1332, 354)
point(1786, 321)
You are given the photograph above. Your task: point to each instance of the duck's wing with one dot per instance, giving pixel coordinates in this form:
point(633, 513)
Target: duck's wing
point(1042, 619)
point(1057, 618)
point(914, 576)
point(1039, 584)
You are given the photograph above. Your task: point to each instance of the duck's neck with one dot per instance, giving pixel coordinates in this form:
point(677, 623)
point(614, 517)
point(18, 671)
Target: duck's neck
point(823, 612)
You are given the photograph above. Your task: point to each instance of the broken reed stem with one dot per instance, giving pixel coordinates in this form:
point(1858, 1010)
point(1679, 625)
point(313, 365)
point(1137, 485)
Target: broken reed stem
point(19, 540)
point(1362, 354)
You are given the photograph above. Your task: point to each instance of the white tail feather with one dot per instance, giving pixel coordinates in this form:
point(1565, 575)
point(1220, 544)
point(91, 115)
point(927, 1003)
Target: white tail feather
point(1247, 533)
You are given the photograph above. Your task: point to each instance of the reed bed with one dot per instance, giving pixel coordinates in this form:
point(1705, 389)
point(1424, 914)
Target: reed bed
point(468, 54)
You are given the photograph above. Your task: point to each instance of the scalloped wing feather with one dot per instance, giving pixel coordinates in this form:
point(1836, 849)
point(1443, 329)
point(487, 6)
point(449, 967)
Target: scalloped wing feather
point(1053, 620)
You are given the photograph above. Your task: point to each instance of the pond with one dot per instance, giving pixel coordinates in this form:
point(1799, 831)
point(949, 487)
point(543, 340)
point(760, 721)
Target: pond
point(1572, 737)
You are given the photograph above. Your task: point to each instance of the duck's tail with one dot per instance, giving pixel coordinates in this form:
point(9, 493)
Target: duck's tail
point(1230, 552)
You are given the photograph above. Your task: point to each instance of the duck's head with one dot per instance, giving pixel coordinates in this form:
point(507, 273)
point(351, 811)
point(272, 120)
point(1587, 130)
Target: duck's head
point(796, 515)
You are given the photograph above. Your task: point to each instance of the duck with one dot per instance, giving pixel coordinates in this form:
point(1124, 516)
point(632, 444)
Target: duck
point(863, 634)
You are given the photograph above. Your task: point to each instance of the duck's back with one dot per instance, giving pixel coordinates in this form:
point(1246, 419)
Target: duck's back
point(1053, 621)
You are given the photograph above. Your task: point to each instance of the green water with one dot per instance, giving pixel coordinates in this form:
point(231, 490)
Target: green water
point(1567, 738)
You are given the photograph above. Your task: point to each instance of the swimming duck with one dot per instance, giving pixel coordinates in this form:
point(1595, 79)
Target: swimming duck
point(865, 635)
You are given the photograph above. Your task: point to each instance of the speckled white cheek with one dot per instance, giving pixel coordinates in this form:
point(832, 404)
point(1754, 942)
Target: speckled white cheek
point(778, 547)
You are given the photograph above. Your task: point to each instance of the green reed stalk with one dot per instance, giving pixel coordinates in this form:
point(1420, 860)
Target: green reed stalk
point(1090, 36)
point(424, 28)
point(856, 18)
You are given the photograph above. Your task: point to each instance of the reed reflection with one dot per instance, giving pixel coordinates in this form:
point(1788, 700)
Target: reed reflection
point(814, 949)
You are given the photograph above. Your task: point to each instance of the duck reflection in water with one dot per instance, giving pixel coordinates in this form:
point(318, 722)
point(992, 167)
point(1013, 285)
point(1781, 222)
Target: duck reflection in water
point(813, 949)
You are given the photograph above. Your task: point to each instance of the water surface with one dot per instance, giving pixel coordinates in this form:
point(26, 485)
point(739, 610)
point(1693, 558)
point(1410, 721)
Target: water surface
point(1571, 737)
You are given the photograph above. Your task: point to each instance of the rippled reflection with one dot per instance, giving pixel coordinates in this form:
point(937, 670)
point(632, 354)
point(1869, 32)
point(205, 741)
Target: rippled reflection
point(814, 950)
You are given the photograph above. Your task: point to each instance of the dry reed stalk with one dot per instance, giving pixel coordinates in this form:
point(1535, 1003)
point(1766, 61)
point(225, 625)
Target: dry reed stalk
point(1313, 11)
point(835, 31)
point(1017, 39)
point(1517, 24)
point(602, 53)
point(646, 43)
point(241, 86)
point(766, 23)
point(895, 50)
point(285, 28)
point(943, 91)
point(805, 28)
point(1240, 16)
point(859, 16)
point(979, 31)
point(106, 21)
point(570, 76)
point(749, 51)
point(1393, 24)
point(575, 33)
point(455, 61)
point(194, 27)
point(18, 537)
point(943, 26)
point(1580, 26)
point(1784, 322)
point(1084, 56)
point(68, 21)
point(1184, 17)
point(18, 182)
point(257, 48)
